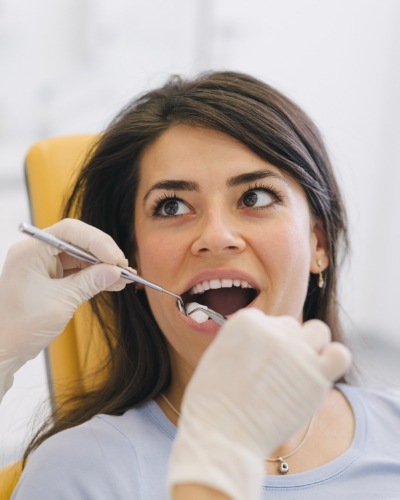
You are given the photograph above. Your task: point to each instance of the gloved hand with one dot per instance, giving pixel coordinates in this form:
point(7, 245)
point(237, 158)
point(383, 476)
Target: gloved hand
point(40, 289)
point(259, 381)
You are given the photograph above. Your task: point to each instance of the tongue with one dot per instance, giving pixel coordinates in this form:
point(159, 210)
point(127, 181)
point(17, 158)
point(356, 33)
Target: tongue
point(225, 300)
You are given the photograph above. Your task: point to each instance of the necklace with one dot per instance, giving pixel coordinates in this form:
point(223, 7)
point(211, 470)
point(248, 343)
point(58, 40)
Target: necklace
point(170, 404)
point(283, 467)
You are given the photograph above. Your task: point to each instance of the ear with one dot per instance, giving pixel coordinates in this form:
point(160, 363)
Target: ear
point(319, 248)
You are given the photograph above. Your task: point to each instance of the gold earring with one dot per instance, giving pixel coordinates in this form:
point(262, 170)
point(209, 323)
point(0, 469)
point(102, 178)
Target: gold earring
point(321, 281)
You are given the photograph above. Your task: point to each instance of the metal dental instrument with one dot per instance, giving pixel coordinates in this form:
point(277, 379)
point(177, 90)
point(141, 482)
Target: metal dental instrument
point(217, 317)
point(86, 256)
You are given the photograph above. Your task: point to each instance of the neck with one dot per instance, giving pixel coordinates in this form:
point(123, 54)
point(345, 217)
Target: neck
point(285, 454)
point(330, 434)
point(279, 459)
point(170, 403)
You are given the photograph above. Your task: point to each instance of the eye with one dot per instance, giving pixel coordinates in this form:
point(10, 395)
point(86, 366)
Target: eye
point(170, 207)
point(258, 198)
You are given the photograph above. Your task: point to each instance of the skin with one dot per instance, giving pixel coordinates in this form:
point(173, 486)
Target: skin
point(217, 231)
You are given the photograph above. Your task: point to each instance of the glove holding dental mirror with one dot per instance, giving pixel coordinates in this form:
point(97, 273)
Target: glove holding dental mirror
point(40, 289)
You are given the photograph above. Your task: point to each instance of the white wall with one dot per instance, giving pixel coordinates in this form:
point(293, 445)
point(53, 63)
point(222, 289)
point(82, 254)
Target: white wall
point(68, 66)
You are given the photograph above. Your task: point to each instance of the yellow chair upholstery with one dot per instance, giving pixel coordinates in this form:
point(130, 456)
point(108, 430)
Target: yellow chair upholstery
point(50, 168)
point(8, 479)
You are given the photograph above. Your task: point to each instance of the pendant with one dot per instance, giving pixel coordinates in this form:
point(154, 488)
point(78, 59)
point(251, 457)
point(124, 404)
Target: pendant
point(283, 466)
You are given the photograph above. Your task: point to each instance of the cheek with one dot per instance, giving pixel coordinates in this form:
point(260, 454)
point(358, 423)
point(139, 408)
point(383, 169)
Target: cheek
point(288, 244)
point(151, 258)
point(286, 256)
point(158, 256)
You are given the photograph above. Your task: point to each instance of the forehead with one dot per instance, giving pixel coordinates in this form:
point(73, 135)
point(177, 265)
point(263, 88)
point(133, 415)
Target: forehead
point(185, 150)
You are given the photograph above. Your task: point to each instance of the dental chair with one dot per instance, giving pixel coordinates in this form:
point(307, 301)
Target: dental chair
point(50, 168)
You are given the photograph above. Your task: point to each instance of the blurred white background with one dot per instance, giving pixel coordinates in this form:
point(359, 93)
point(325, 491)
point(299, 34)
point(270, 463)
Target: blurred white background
point(68, 66)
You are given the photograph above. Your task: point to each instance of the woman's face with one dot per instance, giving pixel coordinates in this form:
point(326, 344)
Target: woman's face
point(211, 214)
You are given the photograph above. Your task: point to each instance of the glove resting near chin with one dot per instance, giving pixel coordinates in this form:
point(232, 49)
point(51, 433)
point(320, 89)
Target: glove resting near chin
point(37, 300)
point(255, 385)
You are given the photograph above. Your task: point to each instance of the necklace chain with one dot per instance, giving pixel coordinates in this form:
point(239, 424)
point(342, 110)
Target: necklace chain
point(283, 467)
point(170, 404)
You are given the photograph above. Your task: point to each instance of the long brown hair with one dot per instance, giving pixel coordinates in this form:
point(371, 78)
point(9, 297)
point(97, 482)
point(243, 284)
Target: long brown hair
point(250, 111)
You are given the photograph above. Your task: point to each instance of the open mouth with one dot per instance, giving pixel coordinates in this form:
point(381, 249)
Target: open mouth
point(225, 296)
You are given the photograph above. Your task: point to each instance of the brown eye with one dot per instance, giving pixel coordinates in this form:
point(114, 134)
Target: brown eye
point(257, 198)
point(250, 199)
point(170, 207)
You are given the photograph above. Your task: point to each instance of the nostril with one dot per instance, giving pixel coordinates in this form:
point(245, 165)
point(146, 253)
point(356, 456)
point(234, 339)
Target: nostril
point(228, 248)
point(218, 239)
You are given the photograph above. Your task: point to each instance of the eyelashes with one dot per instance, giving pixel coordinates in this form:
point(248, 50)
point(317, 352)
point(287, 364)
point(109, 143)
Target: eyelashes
point(256, 197)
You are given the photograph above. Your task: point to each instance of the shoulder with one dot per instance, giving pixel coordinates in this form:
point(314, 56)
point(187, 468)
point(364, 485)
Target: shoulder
point(96, 459)
point(386, 397)
point(379, 407)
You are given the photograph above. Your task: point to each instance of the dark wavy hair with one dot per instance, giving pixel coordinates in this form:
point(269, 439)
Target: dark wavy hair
point(250, 111)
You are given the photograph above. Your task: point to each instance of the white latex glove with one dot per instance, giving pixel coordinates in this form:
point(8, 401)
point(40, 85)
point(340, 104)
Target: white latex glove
point(259, 381)
point(40, 289)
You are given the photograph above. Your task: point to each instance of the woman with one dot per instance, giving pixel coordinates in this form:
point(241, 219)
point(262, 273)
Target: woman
point(219, 189)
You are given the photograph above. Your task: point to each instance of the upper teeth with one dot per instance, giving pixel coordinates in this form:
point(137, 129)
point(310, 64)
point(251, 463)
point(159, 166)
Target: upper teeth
point(217, 283)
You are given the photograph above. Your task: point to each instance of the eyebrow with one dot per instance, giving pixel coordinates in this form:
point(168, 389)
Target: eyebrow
point(180, 185)
point(172, 185)
point(254, 176)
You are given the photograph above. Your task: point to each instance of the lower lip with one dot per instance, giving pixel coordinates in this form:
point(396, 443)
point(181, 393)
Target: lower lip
point(209, 327)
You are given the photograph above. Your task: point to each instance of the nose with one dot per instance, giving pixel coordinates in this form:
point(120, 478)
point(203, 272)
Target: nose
point(218, 234)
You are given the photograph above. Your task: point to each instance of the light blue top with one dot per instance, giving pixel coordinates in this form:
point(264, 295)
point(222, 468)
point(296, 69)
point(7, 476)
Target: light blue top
point(126, 457)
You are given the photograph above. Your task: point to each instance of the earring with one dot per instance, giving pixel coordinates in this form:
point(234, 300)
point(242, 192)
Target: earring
point(321, 281)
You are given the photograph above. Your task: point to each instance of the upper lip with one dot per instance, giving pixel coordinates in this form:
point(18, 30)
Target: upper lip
point(222, 273)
